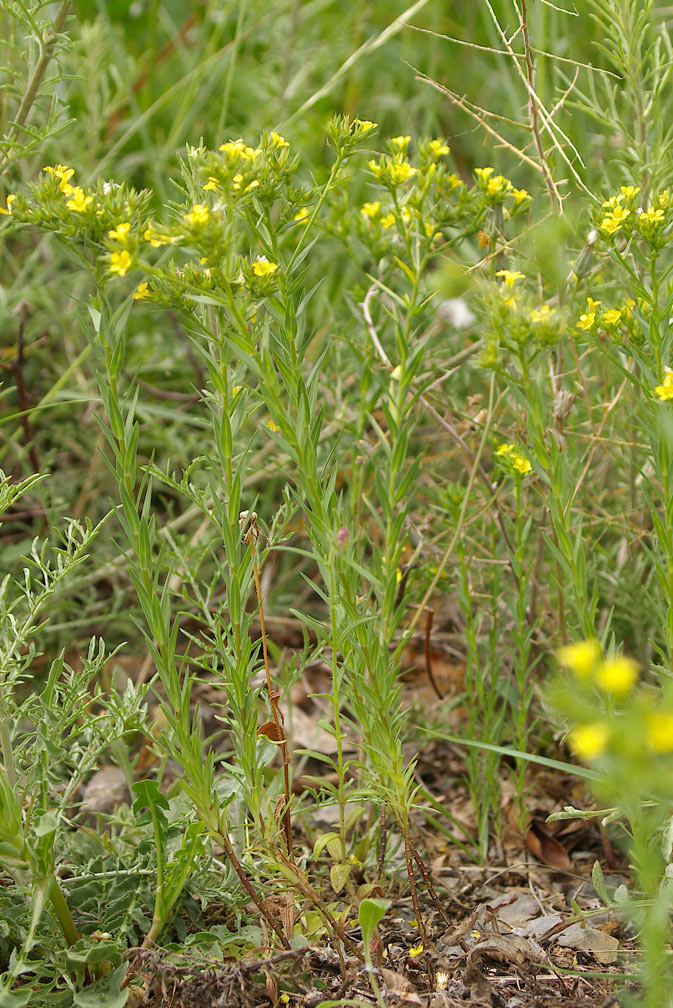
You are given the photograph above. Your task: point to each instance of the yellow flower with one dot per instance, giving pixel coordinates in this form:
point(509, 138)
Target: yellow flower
point(120, 233)
point(399, 173)
point(609, 225)
point(302, 214)
point(154, 238)
point(541, 314)
point(235, 390)
point(78, 201)
point(236, 148)
point(272, 426)
point(520, 196)
point(580, 657)
point(613, 221)
point(629, 191)
point(63, 174)
point(586, 321)
point(617, 674)
point(212, 185)
point(438, 148)
point(371, 210)
point(611, 317)
point(590, 740)
point(652, 216)
point(665, 392)
point(521, 464)
point(278, 141)
point(263, 268)
point(454, 181)
point(366, 125)
point(664, 198)
point(141, 291)
point(518, 462)
point(659, 732)
point(10, 200)
point(400, 143)
point(613, 202)
point(510, 277)
point(498, 185)
point(388, 221)
point(593, 305)
point(627, 310)
point(198, 215)
point(120, 262)
point(483, 174)
point(416, 951)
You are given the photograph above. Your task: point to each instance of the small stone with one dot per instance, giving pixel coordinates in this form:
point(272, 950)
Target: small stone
point(105, 792)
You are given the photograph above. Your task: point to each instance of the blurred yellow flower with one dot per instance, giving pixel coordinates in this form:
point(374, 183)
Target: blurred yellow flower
point(510, 277)
point(438, 148)
point(371, 210)
point(198, 215)
point(518, 462)
point(580, 658)
point(483, 174)
point(659, 732)
point(617, 674)
point(590, 740)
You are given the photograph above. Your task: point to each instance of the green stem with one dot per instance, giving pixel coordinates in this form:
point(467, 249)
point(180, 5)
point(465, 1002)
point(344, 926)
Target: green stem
point(62, 910)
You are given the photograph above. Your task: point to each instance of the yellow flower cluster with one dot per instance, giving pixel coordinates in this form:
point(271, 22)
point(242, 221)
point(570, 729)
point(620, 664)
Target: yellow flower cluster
point(518, 462)
point(400, 143)
point(237, 148)
point(438, 148)
point(79, 201)
point(591, 740)
point(263, 268)
point(371, 210)
point(199, 215)
point(616, 674)
point(497, 187)
point(541, 314)
point(615, 217)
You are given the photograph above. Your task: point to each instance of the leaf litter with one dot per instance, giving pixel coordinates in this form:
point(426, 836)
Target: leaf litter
point(528, 929)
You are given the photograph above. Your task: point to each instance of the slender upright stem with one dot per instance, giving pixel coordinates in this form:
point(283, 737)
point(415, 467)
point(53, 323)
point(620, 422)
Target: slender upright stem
point(33, 88)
